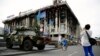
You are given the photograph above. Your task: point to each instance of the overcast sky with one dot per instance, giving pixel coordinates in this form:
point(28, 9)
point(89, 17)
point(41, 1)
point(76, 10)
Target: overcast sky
point(86, 11)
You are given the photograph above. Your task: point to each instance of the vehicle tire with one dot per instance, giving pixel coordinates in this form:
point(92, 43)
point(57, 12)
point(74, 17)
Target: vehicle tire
point(9, 43)
point(41, 46)
point(27, 45)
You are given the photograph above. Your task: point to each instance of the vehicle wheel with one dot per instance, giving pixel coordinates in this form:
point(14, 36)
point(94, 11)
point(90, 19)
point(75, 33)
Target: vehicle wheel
point(41, 47)
point(27, 45)
point(9, 43)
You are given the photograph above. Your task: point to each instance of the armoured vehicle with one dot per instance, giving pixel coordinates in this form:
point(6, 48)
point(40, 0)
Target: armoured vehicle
point(26, 39)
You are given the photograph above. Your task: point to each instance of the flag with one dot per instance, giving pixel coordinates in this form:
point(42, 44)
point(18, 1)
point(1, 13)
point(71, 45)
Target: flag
point(41, 15)
point(51, 21)
point(38, 18)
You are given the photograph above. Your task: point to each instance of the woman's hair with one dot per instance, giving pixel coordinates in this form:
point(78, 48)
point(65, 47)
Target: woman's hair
point(87, 26)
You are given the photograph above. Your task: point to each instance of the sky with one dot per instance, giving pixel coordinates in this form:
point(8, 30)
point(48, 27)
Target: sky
point(86, 11)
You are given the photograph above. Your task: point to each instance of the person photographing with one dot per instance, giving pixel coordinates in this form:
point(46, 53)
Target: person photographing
point(85, 40)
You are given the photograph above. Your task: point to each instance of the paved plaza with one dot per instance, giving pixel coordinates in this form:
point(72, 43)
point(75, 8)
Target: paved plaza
point(50, 50)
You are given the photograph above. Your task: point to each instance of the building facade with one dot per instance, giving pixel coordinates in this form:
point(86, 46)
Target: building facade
point(53, 20)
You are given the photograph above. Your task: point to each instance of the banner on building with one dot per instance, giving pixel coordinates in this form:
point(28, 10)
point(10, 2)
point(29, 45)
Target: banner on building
point(41, 15)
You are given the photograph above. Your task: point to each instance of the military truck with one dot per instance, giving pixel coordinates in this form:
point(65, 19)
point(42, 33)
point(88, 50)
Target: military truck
point(26, 39)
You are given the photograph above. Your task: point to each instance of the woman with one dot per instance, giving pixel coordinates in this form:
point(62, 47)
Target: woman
point(85, 42)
